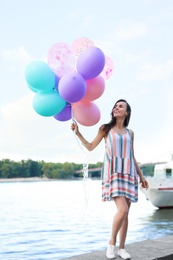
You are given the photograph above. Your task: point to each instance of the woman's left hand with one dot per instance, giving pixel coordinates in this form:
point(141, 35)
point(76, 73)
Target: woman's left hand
point(144, 183)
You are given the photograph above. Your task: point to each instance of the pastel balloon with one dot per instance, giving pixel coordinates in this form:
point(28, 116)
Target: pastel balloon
point(72, 87)
point(57, 79)
point(32, 89)
point(108, 68)
point(65, 114)
point(39, 76)
point(94, 88)
point(90, 62)
point(61, 58)
point(86, 113)
point(48, 103)
point(81, 44)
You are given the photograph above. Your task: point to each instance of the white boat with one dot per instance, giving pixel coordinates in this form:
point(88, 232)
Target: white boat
point(160, 191)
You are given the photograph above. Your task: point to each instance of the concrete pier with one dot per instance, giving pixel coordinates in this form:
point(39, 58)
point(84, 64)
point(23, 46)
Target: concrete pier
point(155, 249)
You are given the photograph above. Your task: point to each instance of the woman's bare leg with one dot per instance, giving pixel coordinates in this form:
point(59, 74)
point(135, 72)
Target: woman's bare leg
point(119, 220)
point(123, 229)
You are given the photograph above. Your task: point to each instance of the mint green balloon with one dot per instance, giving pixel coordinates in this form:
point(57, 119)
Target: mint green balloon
point(48, 103)
point(39, 76)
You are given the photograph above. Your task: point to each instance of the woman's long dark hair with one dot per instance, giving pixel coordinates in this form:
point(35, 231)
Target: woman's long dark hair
point(112, 122)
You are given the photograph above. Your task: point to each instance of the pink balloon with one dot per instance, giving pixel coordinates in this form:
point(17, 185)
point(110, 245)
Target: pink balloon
point(94, 88)
point(81, 44)
point(86, 113)
point(108, 68)
point(90, 62)
point(61, 59)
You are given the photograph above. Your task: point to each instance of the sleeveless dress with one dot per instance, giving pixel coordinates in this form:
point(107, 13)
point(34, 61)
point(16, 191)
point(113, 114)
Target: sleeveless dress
point(119, 175)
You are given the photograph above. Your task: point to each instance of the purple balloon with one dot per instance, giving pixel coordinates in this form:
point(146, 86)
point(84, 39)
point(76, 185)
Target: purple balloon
point(90, 62)
point(72, 87)
point(65, 114)
point(57, 79)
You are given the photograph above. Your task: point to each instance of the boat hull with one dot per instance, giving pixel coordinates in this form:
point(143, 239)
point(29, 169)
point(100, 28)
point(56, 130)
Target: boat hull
point(160, 192)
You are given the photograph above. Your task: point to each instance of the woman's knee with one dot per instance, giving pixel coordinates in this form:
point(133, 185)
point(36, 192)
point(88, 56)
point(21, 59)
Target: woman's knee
point(123, 211)
point(122, 206)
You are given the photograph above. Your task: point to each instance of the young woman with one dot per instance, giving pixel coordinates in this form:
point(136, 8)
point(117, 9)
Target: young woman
point(120, 171)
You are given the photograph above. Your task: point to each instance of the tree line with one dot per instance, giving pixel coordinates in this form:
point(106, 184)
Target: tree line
point(29, 168)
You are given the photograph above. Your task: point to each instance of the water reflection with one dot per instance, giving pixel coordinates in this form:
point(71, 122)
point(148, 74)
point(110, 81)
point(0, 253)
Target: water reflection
point(157, 224)
point(162, 215)
point(162, 221)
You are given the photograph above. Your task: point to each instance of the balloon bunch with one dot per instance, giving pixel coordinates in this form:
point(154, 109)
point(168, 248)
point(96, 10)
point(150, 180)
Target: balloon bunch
point(73, 77)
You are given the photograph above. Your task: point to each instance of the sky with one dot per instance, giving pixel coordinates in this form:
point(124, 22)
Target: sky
point(138, 37)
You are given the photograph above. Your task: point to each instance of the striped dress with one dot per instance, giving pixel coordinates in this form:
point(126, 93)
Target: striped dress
point(119, 175)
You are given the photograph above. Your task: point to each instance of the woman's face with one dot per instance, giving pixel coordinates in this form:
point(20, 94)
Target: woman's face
point(120, 109)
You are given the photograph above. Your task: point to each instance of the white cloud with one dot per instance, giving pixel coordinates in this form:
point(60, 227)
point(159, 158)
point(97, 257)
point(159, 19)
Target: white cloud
point(19, 54)
point(129, 57)
point(123, 32)
point(17, 117)
point(150, 71)
point(25, 134)
point(129, 31)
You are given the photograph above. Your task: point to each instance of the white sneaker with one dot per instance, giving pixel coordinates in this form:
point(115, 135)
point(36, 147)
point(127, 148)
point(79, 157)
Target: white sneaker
point(123, 254)
point(110, 252)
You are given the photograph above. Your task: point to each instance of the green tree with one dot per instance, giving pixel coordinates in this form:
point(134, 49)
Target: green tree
point(47, 170)
point(30, 168)
point(35, 168)
point(24, 169)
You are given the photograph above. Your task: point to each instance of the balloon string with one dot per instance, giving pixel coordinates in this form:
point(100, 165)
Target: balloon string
point(85, 168)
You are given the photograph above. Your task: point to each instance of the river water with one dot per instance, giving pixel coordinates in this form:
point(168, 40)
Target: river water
point(58, 219)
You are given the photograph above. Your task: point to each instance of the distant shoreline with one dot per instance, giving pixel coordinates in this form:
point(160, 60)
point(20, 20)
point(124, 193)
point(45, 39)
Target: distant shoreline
point(37, 179)
point(31, 179)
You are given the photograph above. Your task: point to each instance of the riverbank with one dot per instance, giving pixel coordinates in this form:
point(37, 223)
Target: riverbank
point(154, 249)
point(31, 179)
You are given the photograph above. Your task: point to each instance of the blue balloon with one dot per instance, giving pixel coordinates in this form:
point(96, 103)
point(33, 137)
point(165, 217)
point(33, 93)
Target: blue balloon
point(33, 89)
point(48, 103)
point(39, 76)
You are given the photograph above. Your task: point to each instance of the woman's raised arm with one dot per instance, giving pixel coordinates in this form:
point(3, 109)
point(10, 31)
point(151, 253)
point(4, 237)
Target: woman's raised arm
point(88, 145)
